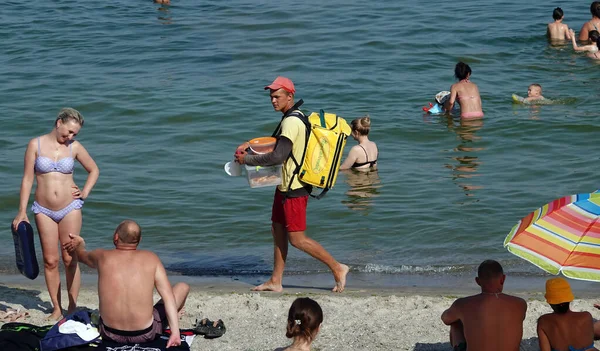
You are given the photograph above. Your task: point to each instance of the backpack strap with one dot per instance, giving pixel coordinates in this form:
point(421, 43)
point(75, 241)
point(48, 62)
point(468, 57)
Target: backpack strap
point(293, 111)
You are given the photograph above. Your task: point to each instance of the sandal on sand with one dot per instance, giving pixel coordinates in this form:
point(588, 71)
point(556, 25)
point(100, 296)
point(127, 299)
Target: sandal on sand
point(210, 329)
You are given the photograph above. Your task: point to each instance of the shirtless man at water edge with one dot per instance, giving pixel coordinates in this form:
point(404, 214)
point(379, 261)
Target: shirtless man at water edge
point(289, 205)
point(490, 321)
point(126, 280)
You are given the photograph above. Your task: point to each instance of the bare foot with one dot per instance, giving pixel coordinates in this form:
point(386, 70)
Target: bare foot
point(56, 315)
point(268, 286)
point(181, 312)
point(340, 278)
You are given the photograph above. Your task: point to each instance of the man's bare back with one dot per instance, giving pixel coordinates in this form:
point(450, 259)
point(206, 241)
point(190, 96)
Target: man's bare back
point(492, 320)
point(126, 281)
point(126, 287)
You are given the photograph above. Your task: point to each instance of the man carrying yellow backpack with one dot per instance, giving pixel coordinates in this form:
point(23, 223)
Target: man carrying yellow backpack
point(291, 196)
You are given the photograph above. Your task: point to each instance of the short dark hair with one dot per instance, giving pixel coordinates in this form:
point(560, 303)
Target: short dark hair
point(304, 318)
point(489, 269)
point(593, 35)
point(462, 71)
point(557, 13)
point(561, 308)
point(595, 9)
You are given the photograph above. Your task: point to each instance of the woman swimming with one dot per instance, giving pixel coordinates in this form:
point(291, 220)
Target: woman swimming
point(304, 322)
point(465, 92)
point(363, 156)
point(593, 24)
point(50, 159)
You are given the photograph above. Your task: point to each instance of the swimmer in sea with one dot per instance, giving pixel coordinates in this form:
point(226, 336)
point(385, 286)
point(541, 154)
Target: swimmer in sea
point(593, 24)
point(593, 35)
point(362, 157)
point(594, 55)
point(558, 30)
point(534, 93)
point(465, 92)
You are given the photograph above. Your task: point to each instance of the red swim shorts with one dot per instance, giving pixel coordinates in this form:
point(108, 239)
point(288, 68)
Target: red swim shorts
point(290, 212)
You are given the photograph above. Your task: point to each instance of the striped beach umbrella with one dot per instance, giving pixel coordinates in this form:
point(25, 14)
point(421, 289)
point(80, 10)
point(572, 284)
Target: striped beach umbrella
point(561, 237)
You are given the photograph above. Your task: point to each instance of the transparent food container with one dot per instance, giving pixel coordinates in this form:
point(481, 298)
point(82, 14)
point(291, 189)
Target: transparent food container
point(261, 176)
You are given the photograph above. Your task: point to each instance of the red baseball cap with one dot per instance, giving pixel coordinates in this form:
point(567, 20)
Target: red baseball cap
point(282, 83)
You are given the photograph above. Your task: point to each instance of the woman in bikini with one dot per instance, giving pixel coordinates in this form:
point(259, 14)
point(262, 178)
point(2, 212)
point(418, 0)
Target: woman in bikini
point(593, 24)
point(362, 157)
point(466, 93)
point(563, 329)
point(50, 160)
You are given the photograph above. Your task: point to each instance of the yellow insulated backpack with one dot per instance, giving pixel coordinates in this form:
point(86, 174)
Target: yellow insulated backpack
point(326, 135)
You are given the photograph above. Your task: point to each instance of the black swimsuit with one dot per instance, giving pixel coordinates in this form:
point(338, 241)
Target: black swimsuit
point(370, 163)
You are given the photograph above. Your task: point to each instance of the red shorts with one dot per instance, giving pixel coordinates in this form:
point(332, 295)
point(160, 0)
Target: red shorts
point(290, 212)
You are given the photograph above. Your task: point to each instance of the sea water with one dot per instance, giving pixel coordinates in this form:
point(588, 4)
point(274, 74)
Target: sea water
point(168, 92)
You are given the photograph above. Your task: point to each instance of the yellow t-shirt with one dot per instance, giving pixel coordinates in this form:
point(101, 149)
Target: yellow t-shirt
point(295, 130)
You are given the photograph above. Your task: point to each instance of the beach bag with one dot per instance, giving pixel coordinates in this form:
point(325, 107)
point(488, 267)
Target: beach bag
point(326, 135)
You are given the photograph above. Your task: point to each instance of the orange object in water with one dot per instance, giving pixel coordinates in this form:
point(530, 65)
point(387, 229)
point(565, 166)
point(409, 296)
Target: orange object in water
point(262, 145)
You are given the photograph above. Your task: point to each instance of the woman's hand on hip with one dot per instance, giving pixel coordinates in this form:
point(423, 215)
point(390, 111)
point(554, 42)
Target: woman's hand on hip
point(77, 194)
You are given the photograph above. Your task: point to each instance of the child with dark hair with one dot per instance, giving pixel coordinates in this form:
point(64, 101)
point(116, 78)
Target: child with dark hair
point(595, 55)
point(303, 324)
point(593, 35)
point(564, 329)
point(558, 30)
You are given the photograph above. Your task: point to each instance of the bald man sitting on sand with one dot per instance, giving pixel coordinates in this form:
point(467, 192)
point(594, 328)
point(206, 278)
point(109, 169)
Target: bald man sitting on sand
point(126, 280)
point(490, 321)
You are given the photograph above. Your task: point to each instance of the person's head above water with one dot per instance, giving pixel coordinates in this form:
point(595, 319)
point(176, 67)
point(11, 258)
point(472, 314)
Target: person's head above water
point(304, 319)
point(361, 125)
point(593, 35)
point(595, 9)
point(462, 71)
point(557, 14)
point(534, 90)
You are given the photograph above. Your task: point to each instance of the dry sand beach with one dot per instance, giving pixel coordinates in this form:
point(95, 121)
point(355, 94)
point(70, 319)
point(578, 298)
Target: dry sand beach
point(359, 319)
